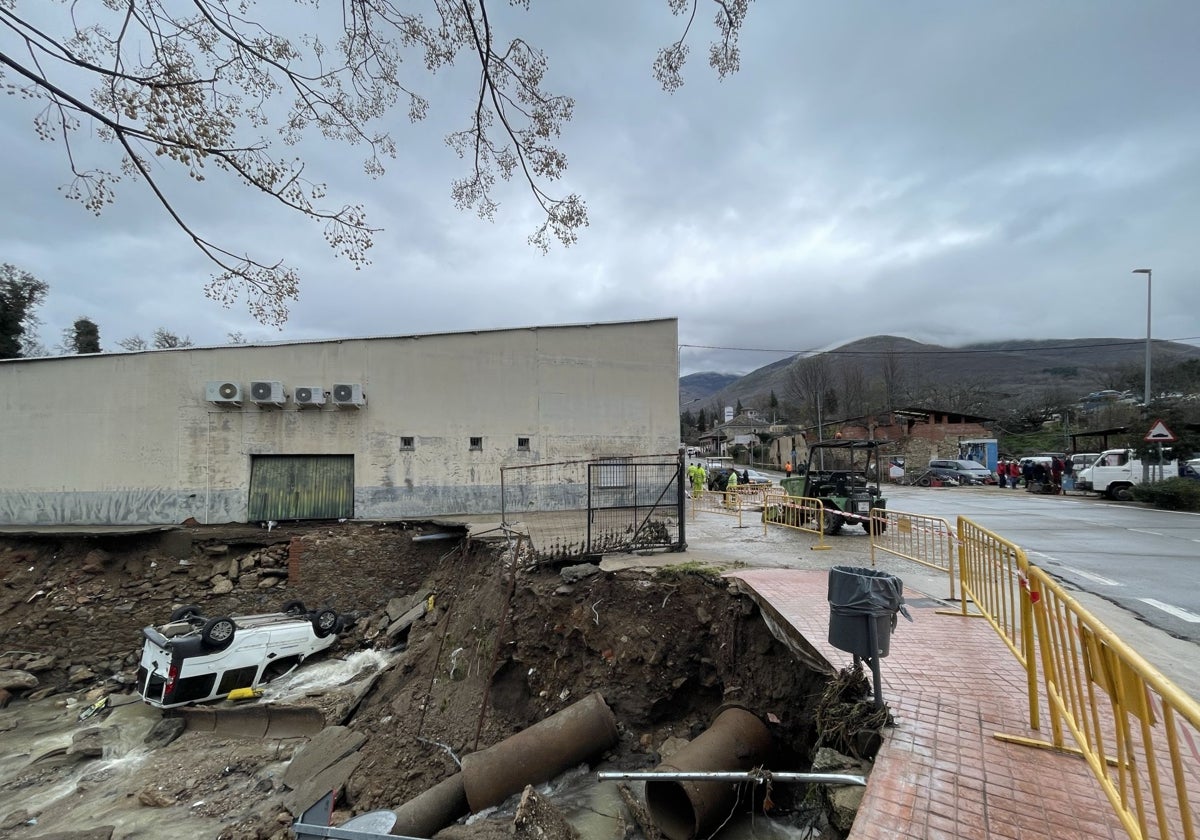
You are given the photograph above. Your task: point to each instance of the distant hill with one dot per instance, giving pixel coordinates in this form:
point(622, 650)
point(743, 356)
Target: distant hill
point(696, 388)
point(1007, 370)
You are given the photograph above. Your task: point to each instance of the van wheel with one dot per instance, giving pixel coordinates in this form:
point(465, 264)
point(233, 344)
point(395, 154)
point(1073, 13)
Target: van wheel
point(1121, 493)
point(217, 633)
point(293, 608)
point(184, 613)
point(324, 622)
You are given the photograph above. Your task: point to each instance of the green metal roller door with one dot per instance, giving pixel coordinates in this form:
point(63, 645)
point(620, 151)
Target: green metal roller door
point(284, 487)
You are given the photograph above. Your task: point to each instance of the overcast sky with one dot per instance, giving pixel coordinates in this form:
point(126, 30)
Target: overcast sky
point(948, 171)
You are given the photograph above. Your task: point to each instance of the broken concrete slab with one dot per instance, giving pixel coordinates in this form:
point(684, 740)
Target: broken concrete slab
point(327, 747)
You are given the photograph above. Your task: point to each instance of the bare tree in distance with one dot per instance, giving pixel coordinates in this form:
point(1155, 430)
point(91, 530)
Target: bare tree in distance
point(163, 339)
point(809, 381)
point(894, 373)
point(200, 86)
point(852, 379)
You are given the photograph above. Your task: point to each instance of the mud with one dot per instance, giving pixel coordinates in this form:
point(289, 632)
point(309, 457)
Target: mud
point(504, 645)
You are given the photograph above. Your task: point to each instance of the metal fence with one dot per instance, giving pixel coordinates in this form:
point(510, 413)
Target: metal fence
point(579, 508)
point(928, 540)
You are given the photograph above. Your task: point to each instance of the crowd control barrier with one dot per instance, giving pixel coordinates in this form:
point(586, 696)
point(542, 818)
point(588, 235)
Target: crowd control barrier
point(928, 540)
point(1139, 732)
point(796, 512)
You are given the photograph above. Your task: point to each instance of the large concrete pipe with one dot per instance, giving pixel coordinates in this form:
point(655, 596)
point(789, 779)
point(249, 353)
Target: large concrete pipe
point(433, 810)
point(261, 721)
point(736, 740)
point(539, 753)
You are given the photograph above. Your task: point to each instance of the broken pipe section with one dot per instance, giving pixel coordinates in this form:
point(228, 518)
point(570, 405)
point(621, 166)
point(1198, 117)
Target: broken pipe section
point(264, 720)
point(736, 740)
point(530, 757)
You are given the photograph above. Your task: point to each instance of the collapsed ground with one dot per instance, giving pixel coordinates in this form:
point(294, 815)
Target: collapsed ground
point(498, 652)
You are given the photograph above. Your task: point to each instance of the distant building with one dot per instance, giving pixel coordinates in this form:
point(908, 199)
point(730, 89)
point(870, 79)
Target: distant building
point(394, 427)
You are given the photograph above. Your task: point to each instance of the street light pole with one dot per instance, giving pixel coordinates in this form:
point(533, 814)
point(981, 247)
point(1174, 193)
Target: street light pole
point(1146, 391)
point(1146, 388)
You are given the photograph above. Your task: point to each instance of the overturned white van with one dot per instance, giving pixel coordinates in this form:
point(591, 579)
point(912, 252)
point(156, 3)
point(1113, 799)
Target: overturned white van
point(192, 659)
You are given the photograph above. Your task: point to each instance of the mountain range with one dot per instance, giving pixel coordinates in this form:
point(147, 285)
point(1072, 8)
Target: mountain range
point(1011, 370)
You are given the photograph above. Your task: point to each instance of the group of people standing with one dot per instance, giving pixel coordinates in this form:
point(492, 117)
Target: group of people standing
point(1052, 475)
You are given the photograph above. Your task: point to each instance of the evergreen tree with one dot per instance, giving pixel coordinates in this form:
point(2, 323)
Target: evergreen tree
point(82, 337)
point(20, 295)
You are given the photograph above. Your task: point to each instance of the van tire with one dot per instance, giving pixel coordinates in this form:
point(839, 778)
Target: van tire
point(293, 608)
point(217, 633)
point(1120, 493)
point(184, 613)
point(324, 622)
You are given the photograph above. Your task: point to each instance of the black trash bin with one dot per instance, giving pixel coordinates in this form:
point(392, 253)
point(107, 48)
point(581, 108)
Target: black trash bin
point(863, 604)
point(858, 599)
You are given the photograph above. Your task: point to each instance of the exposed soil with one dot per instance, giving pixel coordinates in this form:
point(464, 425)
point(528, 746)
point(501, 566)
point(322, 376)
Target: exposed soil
point(504, 646)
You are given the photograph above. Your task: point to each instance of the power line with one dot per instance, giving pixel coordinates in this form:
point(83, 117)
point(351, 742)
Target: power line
point(943, 351)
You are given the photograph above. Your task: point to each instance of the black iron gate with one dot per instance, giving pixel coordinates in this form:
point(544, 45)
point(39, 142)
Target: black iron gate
point(605, 505)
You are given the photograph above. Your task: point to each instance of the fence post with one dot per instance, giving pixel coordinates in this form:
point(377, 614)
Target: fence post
point(680, 499)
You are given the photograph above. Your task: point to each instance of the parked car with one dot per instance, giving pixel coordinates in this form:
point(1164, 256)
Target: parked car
point(192, 659)
point(758, 478)
point(963, 471)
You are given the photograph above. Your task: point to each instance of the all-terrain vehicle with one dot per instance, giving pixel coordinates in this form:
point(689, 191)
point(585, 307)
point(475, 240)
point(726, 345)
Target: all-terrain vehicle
point(844, 475)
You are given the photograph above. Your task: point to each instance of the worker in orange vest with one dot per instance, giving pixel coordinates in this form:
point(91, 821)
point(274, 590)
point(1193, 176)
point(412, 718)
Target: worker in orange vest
point(787, 469)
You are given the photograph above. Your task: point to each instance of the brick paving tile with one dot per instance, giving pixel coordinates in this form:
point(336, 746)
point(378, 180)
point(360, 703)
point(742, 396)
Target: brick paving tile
point(951, 684)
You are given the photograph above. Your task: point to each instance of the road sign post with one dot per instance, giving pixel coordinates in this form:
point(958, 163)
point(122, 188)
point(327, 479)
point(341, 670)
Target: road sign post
point(1160, 434)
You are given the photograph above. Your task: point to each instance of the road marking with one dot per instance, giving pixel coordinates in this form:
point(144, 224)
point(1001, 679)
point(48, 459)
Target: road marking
point(1178, 612)
point(1089, 575)
point(1140, 531)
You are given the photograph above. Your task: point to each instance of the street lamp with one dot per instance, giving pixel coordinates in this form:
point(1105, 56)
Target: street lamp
point(1146, 392)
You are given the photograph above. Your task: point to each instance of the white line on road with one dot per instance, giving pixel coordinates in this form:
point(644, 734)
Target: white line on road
point(1140, 531)
point(1089, 575)
point(1178, 612)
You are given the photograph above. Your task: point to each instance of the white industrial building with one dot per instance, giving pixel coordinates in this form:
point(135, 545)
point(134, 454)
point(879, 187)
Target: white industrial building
point(391, 427)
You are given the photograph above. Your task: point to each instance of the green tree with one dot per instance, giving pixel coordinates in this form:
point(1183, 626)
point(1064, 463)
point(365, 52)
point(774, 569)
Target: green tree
point(209, 89)
point(20, 295)
point(701, 422)
point(738, 409)
point(82, 337)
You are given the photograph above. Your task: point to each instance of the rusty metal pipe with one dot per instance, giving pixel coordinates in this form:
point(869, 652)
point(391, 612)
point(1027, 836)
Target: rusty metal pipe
point(539, 753)
point(736, 740)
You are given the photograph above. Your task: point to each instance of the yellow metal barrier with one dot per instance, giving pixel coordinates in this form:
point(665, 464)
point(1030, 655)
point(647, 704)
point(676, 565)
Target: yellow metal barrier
point(1139, 733)
point(796, 512)
point(724, 502)
point(928, 540)
point(991, 571)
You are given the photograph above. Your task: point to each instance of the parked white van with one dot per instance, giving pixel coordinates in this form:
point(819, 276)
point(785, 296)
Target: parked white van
point(192, 659)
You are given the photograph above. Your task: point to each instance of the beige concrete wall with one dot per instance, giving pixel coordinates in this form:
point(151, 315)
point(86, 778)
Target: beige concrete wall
point(129, 437)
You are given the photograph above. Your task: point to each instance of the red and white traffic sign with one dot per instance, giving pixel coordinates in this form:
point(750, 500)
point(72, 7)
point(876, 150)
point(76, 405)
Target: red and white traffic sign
point(1159, 433)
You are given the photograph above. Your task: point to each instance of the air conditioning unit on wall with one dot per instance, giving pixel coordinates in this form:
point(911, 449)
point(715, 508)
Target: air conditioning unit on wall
point(267, 393)
point(348, 395)
point(223, 393)
point(307, 396)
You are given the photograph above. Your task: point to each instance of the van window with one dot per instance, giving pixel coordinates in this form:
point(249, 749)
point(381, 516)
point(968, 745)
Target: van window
point(237, 678)
point(194, 688)
point(1115, 459)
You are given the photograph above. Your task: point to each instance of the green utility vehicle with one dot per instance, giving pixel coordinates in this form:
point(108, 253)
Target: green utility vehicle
point(844, 475)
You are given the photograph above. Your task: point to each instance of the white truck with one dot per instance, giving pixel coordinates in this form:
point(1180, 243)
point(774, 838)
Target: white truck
point(1114, 473)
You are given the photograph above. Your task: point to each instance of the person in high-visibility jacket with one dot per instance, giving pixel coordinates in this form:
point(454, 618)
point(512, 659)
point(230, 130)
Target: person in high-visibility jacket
point(698, 478)
point(731, 489)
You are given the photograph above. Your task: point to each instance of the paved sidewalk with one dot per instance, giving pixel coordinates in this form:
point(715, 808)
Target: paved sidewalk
point(951, 683)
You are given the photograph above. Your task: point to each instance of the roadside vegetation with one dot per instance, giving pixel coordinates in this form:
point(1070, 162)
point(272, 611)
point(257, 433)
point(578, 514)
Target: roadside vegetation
point(1172, 494)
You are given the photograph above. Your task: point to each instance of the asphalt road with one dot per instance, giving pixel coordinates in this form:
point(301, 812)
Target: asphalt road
point(1144, 560)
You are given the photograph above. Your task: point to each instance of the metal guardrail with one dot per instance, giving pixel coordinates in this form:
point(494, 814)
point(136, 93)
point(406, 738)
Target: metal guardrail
point(1139, 732)
point(928, 540)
